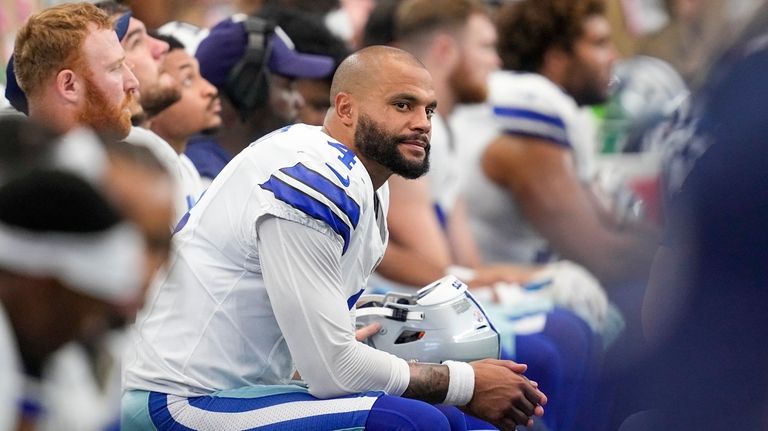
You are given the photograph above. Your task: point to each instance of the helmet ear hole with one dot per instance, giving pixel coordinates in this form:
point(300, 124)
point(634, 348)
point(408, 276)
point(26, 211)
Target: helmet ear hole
point(409, 336)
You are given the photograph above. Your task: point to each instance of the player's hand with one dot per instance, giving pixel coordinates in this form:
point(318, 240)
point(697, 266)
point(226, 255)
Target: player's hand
point(503, 396)
point(367, 331)
point(489, 275)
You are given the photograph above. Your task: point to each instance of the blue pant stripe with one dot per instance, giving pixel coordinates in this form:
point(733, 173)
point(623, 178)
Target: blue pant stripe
point(163, 420)
point(161, 416)
point(239, 405)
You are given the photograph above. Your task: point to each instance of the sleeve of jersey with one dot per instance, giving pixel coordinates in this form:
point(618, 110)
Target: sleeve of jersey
point(307, 196)
point(526, 106)
point(302, 274)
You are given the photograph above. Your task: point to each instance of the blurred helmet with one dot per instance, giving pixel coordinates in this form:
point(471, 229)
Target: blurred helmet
point(440, 322)
point(646, 91)
point(188, 34)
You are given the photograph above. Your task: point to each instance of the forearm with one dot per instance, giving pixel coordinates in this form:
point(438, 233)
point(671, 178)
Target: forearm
point(351, 368)
point(429, 382)
point(611, 255)
point(572, 226)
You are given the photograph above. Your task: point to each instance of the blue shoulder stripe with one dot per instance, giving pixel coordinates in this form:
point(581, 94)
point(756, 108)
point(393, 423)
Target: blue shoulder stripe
point(352, 300)
point(529, 115)
point(543, 135)
point(325, 187)
point(309, 205)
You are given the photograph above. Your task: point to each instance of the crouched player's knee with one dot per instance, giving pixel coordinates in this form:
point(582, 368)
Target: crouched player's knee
point(390, 412)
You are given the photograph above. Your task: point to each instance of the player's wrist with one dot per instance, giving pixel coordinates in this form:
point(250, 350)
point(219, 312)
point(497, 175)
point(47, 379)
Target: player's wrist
point(461, 383)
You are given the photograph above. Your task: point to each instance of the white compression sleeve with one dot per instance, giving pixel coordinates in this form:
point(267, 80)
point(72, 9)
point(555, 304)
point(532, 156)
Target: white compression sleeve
point(302, 273)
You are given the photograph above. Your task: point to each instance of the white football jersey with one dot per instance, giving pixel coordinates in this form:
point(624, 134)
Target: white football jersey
point(445, 168)
point(189, 186)
point(209, 324)
point(524, 104)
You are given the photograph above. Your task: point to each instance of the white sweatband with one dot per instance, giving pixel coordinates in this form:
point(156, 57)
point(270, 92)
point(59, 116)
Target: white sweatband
point(461, 272)
point(107, 265)
point(461, 385)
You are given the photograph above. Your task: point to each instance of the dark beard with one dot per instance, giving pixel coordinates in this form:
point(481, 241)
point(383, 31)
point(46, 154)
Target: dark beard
point(377, 145)
point(466, 91)
point(590, 96)
point(155, 100)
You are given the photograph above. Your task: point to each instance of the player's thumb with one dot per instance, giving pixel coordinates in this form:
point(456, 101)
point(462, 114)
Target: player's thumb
point(367, 331)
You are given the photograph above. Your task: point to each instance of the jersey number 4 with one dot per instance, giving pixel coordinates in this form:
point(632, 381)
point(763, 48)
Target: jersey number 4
point(347, 157)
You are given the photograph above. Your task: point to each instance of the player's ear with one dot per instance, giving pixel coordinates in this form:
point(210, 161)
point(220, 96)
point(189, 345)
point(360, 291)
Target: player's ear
point(344, 107)
point(446, 50)
point(69, 85)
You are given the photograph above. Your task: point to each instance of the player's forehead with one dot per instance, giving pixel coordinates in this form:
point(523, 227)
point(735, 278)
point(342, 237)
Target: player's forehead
point(101, 47)
point(179, 59)
point(136, 29)
point(399, 77)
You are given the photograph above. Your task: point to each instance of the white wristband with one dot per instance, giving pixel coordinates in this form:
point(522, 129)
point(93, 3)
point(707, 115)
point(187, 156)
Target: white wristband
point(461, 385)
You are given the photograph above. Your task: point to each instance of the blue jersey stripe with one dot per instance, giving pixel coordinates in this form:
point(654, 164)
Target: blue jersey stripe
point(441, 217)
point(529, 115)
point(353, 299)
point(325, 187)
point(309, 205)
point(528, 133)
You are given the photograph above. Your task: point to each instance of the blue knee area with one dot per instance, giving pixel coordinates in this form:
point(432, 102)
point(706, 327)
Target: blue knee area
point(460, 421)
point(456, 418)
point(475, 424)
point(582, 351)
point(403, 414)
point(545, 366)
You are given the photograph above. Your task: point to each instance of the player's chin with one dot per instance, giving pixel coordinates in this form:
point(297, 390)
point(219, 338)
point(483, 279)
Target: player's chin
point(411, 169)
point(124, 127)
point(412, 152)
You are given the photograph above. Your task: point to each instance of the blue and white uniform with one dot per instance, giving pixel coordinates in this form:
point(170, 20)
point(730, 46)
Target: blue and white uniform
point(524, 104)
point(189, 186)
point(561, 350)
point(262, 283)
point(445, 172)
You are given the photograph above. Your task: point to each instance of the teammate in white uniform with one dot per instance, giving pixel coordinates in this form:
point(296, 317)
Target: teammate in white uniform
point(530, 199)
point(526, 104)
point(144, 53)
point(187, 182)
point(267, 269)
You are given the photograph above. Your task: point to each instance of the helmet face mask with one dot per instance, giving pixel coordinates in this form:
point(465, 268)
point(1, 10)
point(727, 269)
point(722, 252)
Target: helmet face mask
point(440, 322)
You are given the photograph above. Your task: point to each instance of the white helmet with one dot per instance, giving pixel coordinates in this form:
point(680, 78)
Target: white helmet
point(440, 322)
point(646, 91)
